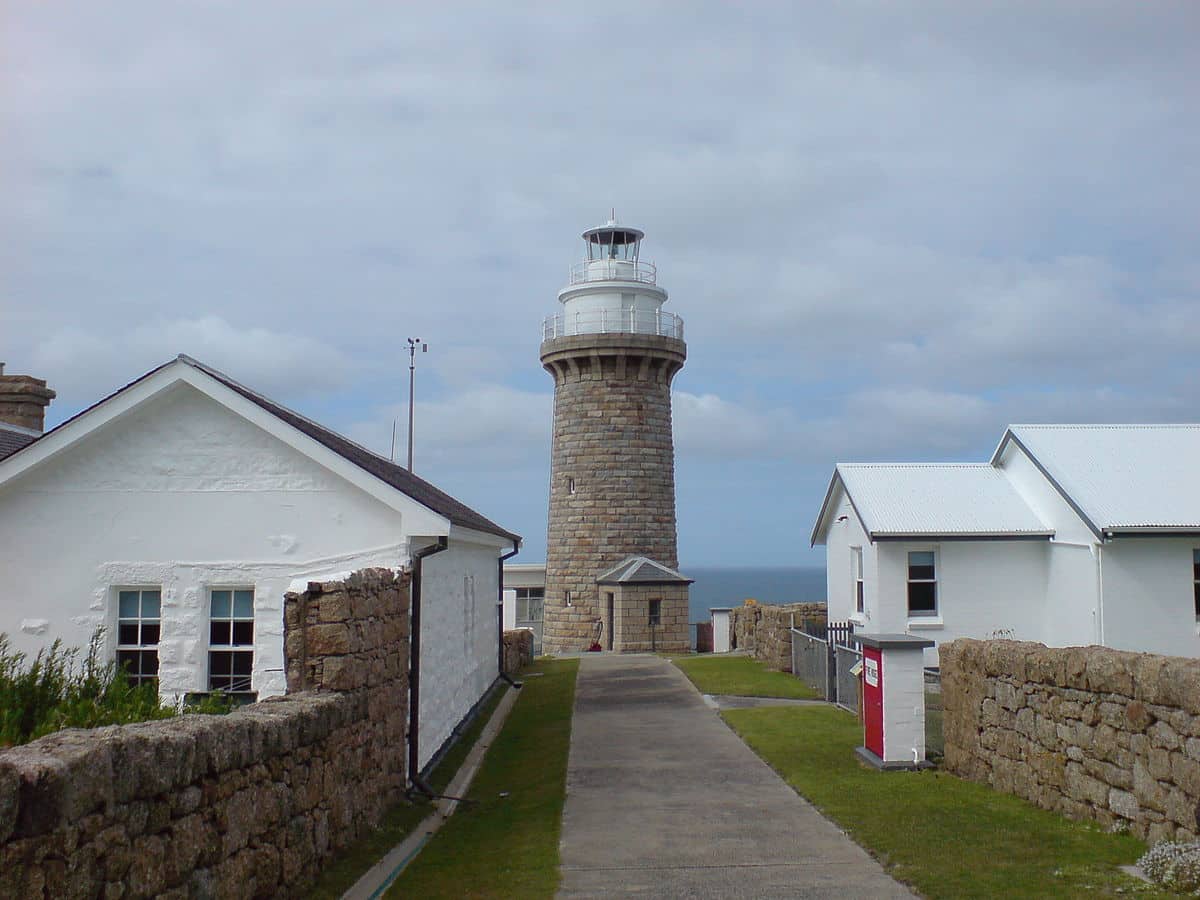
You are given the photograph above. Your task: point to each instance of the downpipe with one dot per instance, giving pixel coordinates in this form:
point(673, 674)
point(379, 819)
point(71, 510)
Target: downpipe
point(500, 615)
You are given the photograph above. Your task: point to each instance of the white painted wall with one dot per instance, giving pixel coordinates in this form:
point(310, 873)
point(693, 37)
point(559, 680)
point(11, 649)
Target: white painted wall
point(839, 581)
point(985, 588)
point(459, 636)
point(1149, 603)
point(1043, 498)
point(903, 674)
point(179, 492)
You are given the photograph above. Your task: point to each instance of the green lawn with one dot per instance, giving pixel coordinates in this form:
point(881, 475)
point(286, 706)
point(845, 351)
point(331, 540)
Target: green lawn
point(741, 676)
point(351, 863)
point(505, 844)
point(944, 836)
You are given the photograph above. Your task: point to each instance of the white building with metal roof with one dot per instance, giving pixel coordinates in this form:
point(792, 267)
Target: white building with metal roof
point(1070, 535)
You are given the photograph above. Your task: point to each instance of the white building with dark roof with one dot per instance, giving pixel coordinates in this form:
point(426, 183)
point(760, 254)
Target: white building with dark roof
point(1070, 535)
point(176, 513)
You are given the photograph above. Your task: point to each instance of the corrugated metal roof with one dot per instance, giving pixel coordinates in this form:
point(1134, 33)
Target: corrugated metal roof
point(1122, 476)
point(938, 499)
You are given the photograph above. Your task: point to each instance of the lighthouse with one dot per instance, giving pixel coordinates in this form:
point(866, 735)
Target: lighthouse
point(611, 556)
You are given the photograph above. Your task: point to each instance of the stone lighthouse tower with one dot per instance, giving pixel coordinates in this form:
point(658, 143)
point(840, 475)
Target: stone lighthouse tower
point(611, 558)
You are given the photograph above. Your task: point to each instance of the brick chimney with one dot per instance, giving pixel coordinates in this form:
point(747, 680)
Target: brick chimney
point(23, 401)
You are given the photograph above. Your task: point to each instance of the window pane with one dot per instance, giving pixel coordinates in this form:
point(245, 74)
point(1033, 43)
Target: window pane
point(242, 663)
point(218, 633)
point(127, 633)
point(541, 592)
point(149, 662)
point(219, 663)
point(220, 604)
point(859, 597)
point(151, 600)
point(149, 634)
point(922, 597)
point(243, 604)
point(920, 564)
point(243, 633)
point(1198, 599)
point(128, 604)
point(128, 660)
point(536, 605)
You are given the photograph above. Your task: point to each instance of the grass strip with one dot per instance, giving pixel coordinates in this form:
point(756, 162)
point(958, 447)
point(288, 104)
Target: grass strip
point(400, 820)
point(944, 836)
point(741, 676)
point(505, 844)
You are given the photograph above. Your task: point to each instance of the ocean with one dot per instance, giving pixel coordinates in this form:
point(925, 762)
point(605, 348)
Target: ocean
point(716, 586)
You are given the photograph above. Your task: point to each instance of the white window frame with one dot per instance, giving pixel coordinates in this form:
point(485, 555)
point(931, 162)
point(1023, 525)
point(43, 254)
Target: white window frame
point(922, 614)
point(140, 621)
point(523, 596)
point(1196, 581)
point(237, 683)
point(858, 579)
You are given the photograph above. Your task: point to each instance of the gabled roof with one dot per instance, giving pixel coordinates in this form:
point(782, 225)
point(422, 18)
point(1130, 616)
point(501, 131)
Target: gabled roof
point(12, 441)
point(932, 500)
point(642, 570)
point(394, 476)
point(1119, 478)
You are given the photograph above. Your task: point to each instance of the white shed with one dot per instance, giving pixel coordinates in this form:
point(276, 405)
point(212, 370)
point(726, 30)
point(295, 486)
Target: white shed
point(1071, 534)
point(177, 511)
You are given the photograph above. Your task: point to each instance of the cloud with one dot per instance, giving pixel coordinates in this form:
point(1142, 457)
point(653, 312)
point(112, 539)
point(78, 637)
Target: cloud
point(83, 367)
point(890, 230)
point(489, 425)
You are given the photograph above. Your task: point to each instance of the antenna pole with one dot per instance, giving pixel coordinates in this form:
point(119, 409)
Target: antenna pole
point(392, 456)
point(413, 344)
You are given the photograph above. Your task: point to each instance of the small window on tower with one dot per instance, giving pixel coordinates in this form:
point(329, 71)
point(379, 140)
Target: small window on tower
point(567, 596)
point(570, 484)
point(656, 612)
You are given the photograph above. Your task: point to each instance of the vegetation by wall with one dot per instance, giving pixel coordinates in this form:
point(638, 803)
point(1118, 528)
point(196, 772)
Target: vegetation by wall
point(1089, 732)
point(247, 804)
point(765, 631)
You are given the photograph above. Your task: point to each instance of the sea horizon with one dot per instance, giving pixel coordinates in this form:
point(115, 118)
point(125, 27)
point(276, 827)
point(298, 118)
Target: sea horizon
point(733, 585)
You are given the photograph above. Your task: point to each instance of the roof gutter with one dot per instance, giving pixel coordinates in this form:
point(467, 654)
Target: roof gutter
point(414, 672)
point(500, 613)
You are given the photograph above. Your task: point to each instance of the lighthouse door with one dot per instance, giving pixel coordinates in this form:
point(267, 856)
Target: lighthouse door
point(608, 621)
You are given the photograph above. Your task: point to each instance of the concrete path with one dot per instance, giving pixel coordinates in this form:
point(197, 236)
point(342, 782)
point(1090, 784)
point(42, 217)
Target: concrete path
point(664, 800)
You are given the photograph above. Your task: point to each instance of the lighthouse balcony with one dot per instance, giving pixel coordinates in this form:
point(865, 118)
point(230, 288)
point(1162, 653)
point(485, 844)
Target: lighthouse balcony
point(607, 321)
point(613, 270)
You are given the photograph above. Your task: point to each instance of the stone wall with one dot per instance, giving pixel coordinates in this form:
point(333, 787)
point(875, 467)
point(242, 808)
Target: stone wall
point(249, 804)
point(1088, 732)
point(518, 650)
point(612, 470)
point(765, 630)
point(632, 631)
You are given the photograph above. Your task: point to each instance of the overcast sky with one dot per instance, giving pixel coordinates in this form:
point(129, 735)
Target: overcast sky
point(891, 228)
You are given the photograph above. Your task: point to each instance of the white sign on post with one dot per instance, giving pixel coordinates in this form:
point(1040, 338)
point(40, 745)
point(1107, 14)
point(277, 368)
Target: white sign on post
point(871, 671)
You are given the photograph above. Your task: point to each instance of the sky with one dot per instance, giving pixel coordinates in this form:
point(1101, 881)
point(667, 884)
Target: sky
point(891, 228)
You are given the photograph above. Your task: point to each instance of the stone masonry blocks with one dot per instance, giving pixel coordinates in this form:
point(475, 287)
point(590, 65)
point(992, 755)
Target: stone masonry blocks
point(612, 470)
point(1089, 732)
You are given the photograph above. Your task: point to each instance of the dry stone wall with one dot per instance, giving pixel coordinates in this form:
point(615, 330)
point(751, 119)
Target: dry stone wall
point(612, 470)
point(1088, 732)
point(518, 650)
point(765, 630)
point(248, 804)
